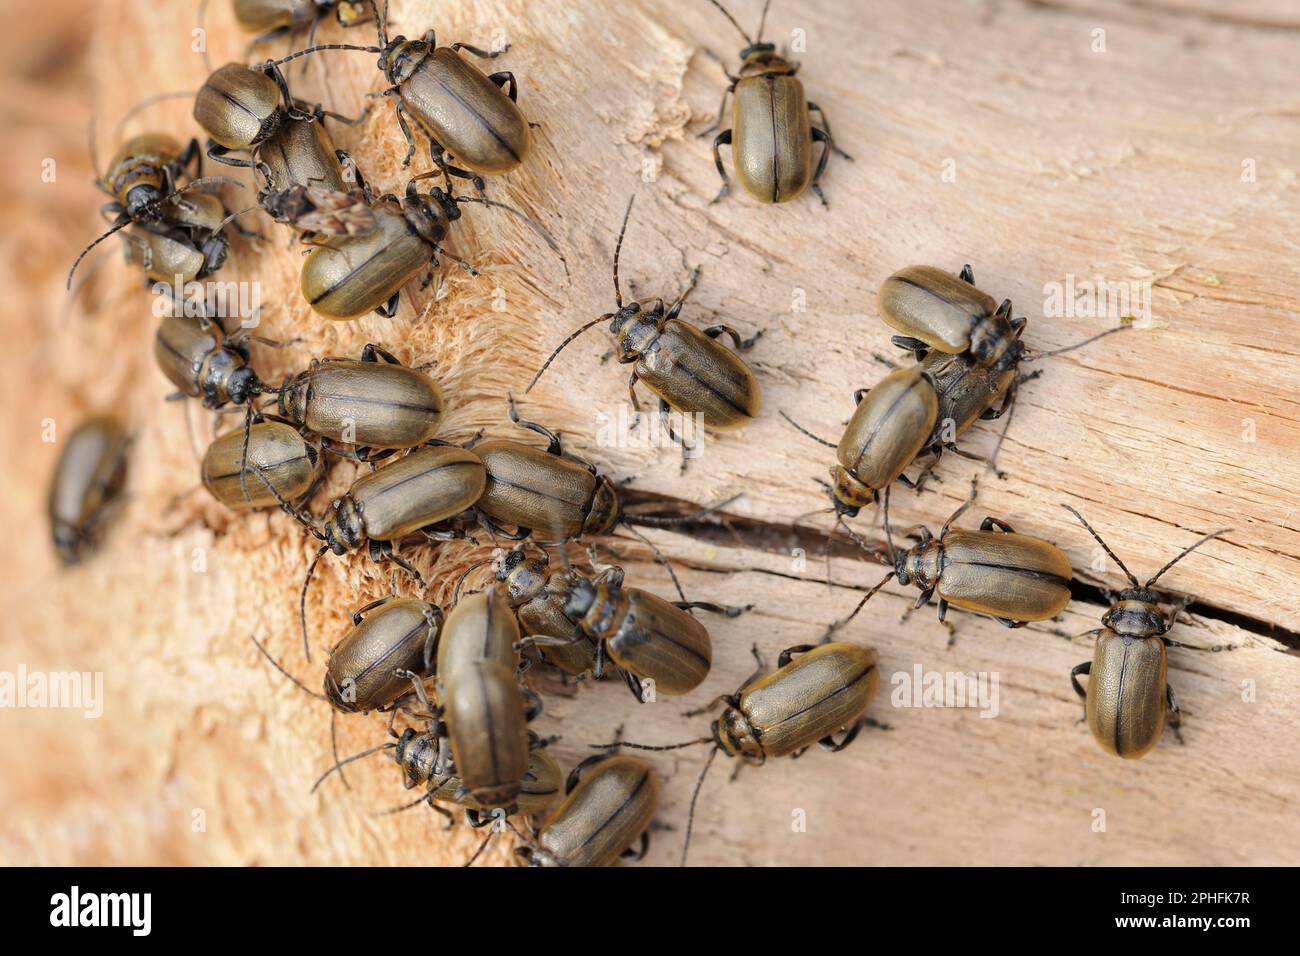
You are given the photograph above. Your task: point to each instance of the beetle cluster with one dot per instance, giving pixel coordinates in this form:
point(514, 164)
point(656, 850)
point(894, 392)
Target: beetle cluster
point(458, 678)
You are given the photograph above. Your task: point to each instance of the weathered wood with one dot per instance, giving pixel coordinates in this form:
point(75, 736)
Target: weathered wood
point(989, 133)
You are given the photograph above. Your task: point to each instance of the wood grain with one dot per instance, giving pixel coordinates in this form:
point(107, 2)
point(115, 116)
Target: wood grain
point(989, 132)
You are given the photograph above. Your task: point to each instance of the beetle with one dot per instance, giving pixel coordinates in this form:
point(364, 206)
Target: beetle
point(144, 179)
point(375, 403)
point(202, 362)
point(816, 692)
point(366, 250)
point(481, 702)
point(969, 346)
point(290, 462)
point(538, 596)
point(687, 368)
point(652, 641)
point(423, 759)
point(271, 18)
point(1012, 578)
point(892, 423)
point(610, 802)
point(462, 112)
point(550, 491)
point(413, 493)
point(772, 133)
point(1128, 693)
point(87, 483)
point(371, 667)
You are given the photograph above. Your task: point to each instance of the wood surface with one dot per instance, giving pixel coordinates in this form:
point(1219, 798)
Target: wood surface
point(1132, 165)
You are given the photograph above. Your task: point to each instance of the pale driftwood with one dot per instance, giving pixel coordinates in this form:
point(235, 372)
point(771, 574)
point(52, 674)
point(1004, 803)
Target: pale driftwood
point(1126, 164)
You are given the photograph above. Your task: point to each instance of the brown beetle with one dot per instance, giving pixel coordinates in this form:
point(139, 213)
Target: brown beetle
point(816, 692)
point(1128, 693)
point(687, 368)
point(290, 464)
point(771, 133)
point(87, 484)
point(609, 805)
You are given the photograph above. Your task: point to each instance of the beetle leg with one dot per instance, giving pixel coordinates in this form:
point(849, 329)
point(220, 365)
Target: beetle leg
point(631, 855)
point(384, 550)
point(667, 423)
point(1084, 669)
point(990, 524)
point(634, 686)
point(636, 405)
point(496, 531)
point(676, 307)
point(722, 113)
point(389, 308)
point(723, 139)
point(481, 54)
point(821, 136)
point(222, 155)
point(923, 599)
point(575, 775)
point(553, 440)
point(826, 125)
point(1175, 713)
point(1007, 622)
point(835, 746)
point(372, 353)
point(728, 699)
point(918, 348)
point(534, 708)
point(726, 610)
point(504, 79)
point(974, 492)
point(400, 109)
point(359, 612)
point(741, 345)
point(788, 654)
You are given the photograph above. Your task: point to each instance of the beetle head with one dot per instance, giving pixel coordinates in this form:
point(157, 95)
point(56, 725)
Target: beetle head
point(991, 337)
point(1136, 614)
point(634, 329)
point(606, 510)
point(343, 530)
point(759, 59)
point(401, 58)
point(848, 495)
point(142, 201)
point(431, 216)
point(523, 572)
point(735, 736)
point(68, 542)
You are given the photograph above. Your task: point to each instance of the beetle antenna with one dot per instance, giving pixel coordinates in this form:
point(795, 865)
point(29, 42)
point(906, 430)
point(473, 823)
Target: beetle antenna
point(618, 249)
point(889, 535)
point(623, 743)
point(320, 47)
point(149, 101)
point(662, 560)
point(532, 223)
point(1105, 547)
point(466, 573)
point(738, 27)
point(402, 807)
point(481, 847)
point(660, 521)
point(233, 216)
point(338, 765)
point(560, 348)
point(302, 598)
point(277, 665)
point(1185, 553)
point(381, 23)
point(690, 815)
point(762, 23)
point(805, 431)
point(865, 598)
point(153, 205)
point(1077, 345)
